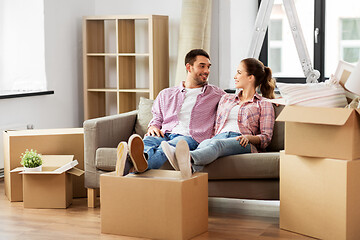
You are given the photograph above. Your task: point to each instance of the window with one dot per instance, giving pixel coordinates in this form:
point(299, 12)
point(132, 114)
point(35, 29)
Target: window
point(342, 33)
point(275, 45)
point(350, 39)
point(338, 39)
point(22, 58)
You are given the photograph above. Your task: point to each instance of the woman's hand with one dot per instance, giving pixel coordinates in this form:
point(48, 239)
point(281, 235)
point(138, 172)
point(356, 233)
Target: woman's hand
point(154, 131)
point(243, 140)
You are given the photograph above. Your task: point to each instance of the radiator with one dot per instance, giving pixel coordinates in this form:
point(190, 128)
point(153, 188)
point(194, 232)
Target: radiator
point(2, 129)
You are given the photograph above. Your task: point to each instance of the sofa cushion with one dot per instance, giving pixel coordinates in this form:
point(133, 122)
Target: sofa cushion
point(105, 159)
point(144, 116)
point(245, 166)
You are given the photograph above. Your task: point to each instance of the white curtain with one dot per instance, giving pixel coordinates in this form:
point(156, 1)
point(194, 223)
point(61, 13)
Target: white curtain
point(195, 29)
point(22, 45)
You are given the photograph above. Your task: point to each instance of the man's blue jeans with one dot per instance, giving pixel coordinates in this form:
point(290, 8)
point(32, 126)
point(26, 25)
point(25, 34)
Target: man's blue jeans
point(220, 145)
point(155, 155)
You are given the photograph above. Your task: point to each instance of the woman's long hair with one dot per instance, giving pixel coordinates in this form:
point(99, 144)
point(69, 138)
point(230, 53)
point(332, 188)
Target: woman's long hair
point(263, 76)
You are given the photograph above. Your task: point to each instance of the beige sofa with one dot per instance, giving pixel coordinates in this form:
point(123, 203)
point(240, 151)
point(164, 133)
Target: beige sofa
point(244, 176)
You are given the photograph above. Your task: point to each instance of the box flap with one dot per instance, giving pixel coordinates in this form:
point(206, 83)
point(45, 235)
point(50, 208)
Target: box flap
point(56, 160)
point(55, 170)
point(67, 166)
point(45, 170)
point(76, 171)
point(18, 169)
point(315, 115)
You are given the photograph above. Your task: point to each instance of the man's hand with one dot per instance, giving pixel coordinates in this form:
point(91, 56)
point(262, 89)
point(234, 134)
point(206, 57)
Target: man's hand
point(243, 140)
point(154, 131)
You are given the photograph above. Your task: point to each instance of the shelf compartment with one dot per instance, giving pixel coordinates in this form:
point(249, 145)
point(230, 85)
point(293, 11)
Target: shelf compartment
point(126, 36)
point(95, 105)
point(126, 102)
point(126, 72)
point(101, 72)
point(101, 36)
point(95, 72)
point(133, 36)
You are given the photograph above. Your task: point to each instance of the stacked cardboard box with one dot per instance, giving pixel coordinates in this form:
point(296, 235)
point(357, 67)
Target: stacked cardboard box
point(319, 172)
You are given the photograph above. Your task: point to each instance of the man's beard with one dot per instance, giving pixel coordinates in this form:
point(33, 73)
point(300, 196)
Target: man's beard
point(200, 82)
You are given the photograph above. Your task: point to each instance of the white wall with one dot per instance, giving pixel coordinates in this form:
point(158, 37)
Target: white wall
point(242, 21)
point(63, 58)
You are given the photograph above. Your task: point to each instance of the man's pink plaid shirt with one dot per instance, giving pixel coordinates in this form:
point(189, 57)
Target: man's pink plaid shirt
point(168, 103)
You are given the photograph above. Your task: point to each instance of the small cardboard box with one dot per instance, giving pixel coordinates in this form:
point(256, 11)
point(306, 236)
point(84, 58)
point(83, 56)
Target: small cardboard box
point(52, 187)
point(62, 141)
point(322, 132)
point(320, 197)
point(157, 204)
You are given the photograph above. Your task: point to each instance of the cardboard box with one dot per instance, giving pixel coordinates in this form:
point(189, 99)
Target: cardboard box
point(322, 132)
point(64, 141)
point(320, 197)
point(157, 204)
point(52, 187)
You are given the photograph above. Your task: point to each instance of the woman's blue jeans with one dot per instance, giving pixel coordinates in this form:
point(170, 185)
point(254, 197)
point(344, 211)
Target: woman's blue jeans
point(220, 145)
point(155, 155)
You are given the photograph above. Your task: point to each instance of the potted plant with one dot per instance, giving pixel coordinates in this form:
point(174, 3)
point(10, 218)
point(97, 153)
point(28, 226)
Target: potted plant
point(31, 160)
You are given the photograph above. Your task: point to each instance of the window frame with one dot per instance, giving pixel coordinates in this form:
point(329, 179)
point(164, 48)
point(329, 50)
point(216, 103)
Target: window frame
point(319, 47)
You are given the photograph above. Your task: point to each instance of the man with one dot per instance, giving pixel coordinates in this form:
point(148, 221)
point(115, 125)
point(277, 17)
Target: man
point(186, 112)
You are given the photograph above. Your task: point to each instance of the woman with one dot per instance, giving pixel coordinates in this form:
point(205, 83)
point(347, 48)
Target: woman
point(244, 121)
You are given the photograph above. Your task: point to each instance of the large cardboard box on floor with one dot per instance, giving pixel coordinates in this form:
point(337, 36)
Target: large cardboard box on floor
point(157, 204)
point(320, 197)
point(63, 141)
point(52, 187)
point(322, 132)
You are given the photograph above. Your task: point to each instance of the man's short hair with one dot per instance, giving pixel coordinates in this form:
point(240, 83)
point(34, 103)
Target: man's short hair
point(191, 56)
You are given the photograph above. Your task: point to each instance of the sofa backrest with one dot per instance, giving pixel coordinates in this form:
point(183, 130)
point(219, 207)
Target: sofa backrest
point(277, 141)
point(144, 116)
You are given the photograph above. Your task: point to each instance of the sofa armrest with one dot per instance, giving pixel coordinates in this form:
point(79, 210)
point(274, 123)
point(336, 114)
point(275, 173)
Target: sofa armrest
point(110, 130)
point(104, 132)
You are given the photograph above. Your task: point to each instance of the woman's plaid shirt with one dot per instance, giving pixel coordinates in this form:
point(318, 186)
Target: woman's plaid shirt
point(256, 117)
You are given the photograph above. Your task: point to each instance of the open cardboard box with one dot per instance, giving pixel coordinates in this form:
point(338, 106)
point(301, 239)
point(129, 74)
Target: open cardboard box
point(52, 187)
point(157, 204)
point(320, 197)
point(322, 132)
point(62, 141)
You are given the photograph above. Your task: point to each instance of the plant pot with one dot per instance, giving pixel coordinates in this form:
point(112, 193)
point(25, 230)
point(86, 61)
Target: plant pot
point(35, 169)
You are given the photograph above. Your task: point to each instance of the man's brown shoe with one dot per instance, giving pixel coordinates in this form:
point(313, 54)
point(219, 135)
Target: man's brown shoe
point(136, 152)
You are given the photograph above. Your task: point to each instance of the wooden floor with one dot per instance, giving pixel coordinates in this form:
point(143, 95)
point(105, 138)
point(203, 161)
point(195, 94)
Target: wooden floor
point(228, 219)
